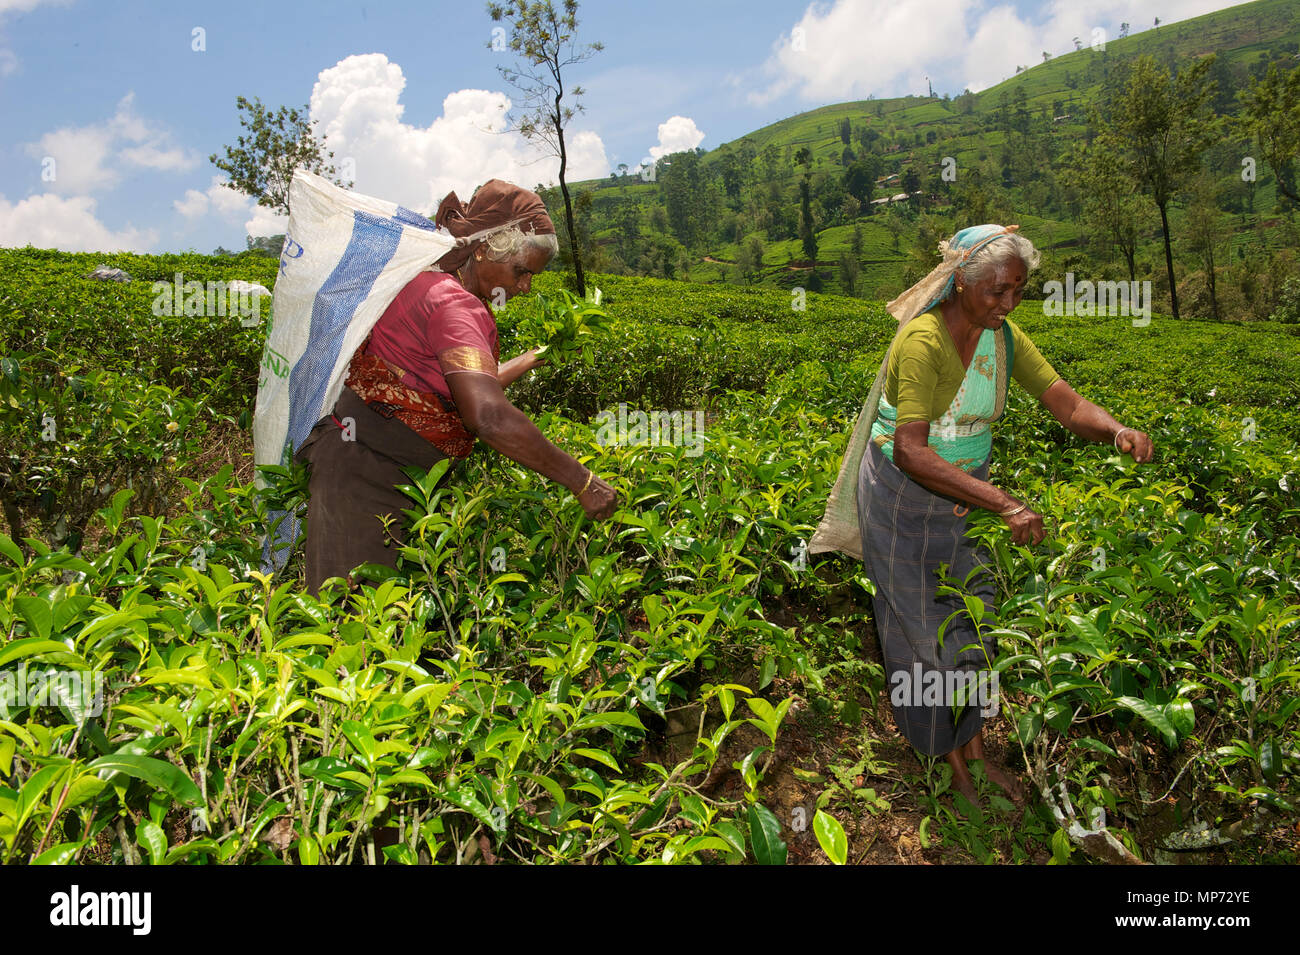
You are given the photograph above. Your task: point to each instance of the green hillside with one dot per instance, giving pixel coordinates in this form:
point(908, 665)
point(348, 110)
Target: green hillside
point(1008, 155)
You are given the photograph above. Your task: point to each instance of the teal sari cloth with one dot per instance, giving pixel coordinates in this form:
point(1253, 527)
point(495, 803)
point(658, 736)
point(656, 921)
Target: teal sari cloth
point(963, 436)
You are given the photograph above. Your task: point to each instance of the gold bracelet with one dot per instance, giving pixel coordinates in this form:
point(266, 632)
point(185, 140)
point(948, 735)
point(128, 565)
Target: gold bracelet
point(590, 474)
point(1014, 511)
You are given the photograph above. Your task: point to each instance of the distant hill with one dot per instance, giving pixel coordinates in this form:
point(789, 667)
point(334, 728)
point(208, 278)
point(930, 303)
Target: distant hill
point(916, 168)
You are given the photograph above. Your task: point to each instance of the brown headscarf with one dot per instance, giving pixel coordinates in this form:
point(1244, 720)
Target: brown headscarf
point(495, 203)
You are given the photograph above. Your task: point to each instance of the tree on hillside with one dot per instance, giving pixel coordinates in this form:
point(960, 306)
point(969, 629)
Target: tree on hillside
point(851, 261)
point(1112, 213)
point(860, 178)
point(850, 269)
point(1271, 115)
point(750, 259)
point(1161, 126)
point(261, 164)
point(629, 230)
point(545, 40)
point(581, 239)
point(1205, 233)
point(807, 229)
point(689, 198)
point(894, 225)
point(912, 177)
point(732, 173)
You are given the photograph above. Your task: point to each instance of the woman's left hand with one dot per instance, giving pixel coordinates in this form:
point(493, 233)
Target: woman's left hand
point(1136, 443)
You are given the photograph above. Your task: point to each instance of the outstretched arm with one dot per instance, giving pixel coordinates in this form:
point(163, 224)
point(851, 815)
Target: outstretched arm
point(1092, 422)
point(511, 371)
point(488, 413)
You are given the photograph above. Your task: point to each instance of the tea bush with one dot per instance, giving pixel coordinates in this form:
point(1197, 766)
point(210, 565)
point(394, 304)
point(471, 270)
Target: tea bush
point(529, 686)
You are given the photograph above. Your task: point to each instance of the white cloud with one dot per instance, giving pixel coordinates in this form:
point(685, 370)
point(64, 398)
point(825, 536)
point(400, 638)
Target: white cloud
point(856, 48)
point(266, 221)
point(53, 222)
point(859, 47)
point(1001, 40)
point(77, 160)
point(224, 203)
point(357, 105)
point(195, 205)
point(677, 134)
point(24, 6)
point(93, 158)
point(152, 157)
point(1000, 43)
point(217, 199)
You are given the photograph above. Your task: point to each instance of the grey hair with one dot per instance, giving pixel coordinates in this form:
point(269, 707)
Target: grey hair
point(511, 242)
point(982, 264)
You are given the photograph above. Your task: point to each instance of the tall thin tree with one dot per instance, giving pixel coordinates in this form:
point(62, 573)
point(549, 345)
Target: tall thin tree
point(1162, 125)
point(545, 40)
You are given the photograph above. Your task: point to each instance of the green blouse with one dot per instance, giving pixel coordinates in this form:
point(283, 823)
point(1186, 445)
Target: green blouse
point(925, 370)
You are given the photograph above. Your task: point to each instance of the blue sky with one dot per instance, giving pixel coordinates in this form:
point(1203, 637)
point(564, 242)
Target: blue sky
point(110, 113)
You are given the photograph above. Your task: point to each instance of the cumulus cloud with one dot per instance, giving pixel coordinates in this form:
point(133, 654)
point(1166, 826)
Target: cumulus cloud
point(853, 49)
point(83, 159)
point(52, 222)
point(265, 221)
point(677, 134)
point(856, 48)
point(218, 199)
point(357, 105)
point(221, 202)
point(76, 160)
point(153, 157)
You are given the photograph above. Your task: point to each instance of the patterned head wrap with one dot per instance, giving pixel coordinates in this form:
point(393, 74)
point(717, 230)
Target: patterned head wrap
point(937, 286)
point(495, 205)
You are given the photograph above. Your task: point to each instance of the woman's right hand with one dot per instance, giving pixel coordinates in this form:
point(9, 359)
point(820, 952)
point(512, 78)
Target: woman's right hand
point(1026, 526)
point(599, 499)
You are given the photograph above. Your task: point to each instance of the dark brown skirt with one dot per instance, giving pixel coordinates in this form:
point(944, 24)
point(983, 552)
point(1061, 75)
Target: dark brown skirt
point(353, 482)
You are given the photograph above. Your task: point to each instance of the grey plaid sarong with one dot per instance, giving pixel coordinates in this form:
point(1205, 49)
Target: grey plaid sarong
point(907, 532)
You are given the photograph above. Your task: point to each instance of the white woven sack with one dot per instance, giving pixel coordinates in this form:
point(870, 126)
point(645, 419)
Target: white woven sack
point(345, 258)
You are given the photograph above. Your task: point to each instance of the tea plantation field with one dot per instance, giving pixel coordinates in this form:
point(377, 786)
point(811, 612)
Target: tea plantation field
point(681, 684)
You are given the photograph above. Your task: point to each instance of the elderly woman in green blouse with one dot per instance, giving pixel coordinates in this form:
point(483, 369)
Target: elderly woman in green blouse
point(926, 463)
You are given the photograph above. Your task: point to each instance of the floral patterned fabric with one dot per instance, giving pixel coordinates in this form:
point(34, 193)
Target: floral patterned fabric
point(434, 418)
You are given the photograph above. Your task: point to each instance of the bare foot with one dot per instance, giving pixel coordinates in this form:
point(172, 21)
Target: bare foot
point(974, 749)
point(967, 788)
point(961, 780)
point(1004, 781)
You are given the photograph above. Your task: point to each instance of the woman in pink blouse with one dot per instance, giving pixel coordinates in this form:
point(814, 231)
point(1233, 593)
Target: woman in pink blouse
point(428, 381)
